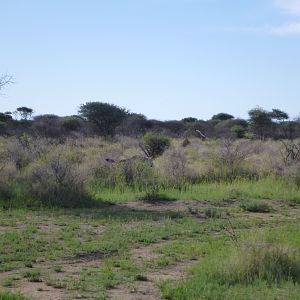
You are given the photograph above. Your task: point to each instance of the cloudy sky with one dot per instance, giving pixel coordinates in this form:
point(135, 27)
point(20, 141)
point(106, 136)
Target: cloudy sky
point(168, 59)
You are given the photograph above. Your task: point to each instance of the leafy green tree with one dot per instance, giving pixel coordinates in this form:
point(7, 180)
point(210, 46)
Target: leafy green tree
point(279, 115)
point(239, 131)
point(154, 144)
point(260, 121)
point(189, 120)
point(4, 117)
point(104, 115)
point(222, 117)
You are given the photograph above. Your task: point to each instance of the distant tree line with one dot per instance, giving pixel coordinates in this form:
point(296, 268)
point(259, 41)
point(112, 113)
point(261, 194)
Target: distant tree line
point(108, 120)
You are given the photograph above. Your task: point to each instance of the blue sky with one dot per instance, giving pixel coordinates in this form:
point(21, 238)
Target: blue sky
point(168, 59)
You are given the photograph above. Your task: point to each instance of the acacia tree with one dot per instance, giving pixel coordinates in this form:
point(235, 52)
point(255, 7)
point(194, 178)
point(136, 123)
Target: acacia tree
point(260, 121)
point(104, 115)
point(24, 112)
point(279, 115)
point(222, 117)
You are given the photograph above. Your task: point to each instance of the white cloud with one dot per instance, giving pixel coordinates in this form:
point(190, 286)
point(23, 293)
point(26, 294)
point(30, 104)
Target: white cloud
point(290, 28)
point(286, 29)
point(289, 6)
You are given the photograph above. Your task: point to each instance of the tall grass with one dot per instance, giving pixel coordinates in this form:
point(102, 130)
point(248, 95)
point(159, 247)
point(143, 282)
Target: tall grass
point(265, 188)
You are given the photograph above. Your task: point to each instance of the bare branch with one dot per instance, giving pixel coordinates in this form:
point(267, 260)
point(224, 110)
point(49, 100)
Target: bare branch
point(5, 80)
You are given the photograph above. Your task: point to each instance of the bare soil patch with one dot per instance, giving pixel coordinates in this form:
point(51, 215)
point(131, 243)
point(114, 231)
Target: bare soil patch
point(40, 290)
point(164, 206)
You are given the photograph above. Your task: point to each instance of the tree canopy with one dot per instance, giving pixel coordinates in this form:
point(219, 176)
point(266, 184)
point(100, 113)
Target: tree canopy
point(222, 117)
point(105, 116)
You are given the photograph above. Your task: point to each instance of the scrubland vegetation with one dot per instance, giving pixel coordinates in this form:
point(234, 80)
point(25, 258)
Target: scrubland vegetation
point(94, 209)
point(80, 172)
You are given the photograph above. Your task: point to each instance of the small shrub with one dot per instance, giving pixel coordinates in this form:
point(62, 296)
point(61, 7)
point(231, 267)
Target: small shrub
point(229, 159)
point(58, 269)
point(174, 168)
point(140, 277)
point(136, 171)
point(256, 206)
point(155, 144)
point(57, 182)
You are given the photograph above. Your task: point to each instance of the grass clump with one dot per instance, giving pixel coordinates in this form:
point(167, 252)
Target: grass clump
point(261, 261)
point(256, 206)
point(58, 269)
point(213, 213)
point(33, 276)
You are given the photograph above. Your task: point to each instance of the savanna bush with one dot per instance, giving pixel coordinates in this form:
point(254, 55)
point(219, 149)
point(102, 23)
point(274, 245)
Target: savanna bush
point(174, 168)
point(135, 172)
point(56, 181)
point(155, 144)
point(227, 161)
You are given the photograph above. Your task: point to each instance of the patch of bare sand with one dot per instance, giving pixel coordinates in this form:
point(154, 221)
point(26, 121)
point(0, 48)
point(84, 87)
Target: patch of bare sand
point(164, 206)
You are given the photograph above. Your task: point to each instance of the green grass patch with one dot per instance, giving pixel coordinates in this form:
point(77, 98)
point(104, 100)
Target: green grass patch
point(266, 265)
point(265, 188)
point(10, 296)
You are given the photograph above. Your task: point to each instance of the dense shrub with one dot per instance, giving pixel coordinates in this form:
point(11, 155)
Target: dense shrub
point(135, 172)
point(155, 144)
point(239, 131)
point(70, 123)
point(57, 181)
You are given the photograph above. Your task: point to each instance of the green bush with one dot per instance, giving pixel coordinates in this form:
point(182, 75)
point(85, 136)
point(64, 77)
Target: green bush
point(70, 123)
point(239, 131)
point(155, 144)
